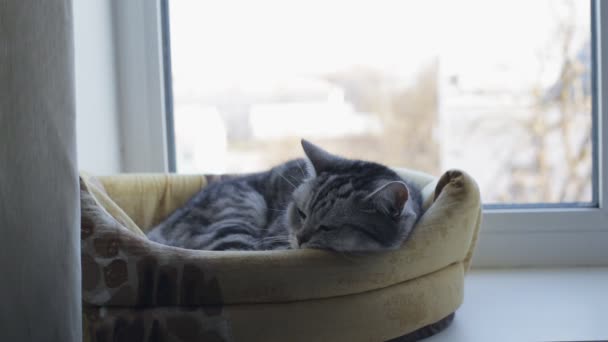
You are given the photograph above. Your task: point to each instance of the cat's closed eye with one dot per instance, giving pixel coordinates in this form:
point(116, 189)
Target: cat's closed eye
point(301, 213)
point(324, 228)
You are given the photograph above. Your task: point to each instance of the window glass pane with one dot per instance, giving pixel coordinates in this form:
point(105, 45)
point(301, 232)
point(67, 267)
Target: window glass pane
point(501, 89)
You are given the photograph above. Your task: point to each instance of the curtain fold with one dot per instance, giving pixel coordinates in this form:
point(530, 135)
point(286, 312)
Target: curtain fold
point(39, 200)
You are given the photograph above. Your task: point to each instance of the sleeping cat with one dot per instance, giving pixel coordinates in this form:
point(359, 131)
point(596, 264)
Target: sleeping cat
point(323, 202)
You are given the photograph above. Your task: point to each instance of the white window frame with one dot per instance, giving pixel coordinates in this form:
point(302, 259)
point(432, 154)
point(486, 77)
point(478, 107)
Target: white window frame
point(140, 85)
point(509, 237)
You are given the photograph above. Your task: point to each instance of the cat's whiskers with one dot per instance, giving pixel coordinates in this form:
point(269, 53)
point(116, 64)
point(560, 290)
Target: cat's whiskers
point(301, 170)
point(287, 180)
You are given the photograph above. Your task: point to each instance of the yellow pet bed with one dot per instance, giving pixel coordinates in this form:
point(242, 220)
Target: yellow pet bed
point(136, 290)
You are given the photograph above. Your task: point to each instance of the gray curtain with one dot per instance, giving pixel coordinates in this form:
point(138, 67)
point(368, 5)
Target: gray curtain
point(39, 206)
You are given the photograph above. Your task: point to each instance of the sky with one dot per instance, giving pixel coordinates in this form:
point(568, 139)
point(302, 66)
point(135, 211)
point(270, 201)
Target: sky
point(223, 43)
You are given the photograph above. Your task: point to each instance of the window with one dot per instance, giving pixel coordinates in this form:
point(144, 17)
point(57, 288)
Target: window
point(509, 91)
point(401, 82)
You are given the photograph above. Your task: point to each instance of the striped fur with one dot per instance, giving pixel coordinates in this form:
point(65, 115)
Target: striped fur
point(324, 202)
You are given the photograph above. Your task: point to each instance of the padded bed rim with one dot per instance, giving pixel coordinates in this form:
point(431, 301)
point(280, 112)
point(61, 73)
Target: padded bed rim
point(296, 300)
point(388, 312)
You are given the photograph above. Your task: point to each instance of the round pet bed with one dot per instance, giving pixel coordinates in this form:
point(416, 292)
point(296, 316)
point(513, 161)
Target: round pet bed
point(136, 290)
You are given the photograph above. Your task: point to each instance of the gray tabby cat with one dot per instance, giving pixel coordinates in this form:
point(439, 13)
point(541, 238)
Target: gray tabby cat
point(325, 202)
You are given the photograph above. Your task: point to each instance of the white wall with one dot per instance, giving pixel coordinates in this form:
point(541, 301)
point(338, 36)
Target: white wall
point(97, 131)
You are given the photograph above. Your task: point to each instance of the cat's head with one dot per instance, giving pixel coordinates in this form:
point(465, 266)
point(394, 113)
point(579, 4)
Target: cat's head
point(350, 206)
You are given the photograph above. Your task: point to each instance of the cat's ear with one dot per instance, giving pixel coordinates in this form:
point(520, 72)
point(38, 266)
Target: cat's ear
point(390, 198)
point(320, 159)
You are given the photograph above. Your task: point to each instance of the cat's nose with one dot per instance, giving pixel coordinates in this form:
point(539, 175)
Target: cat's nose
point(303, 238)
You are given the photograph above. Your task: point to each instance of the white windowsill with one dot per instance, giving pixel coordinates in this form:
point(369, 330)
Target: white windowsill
point(567, 304)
